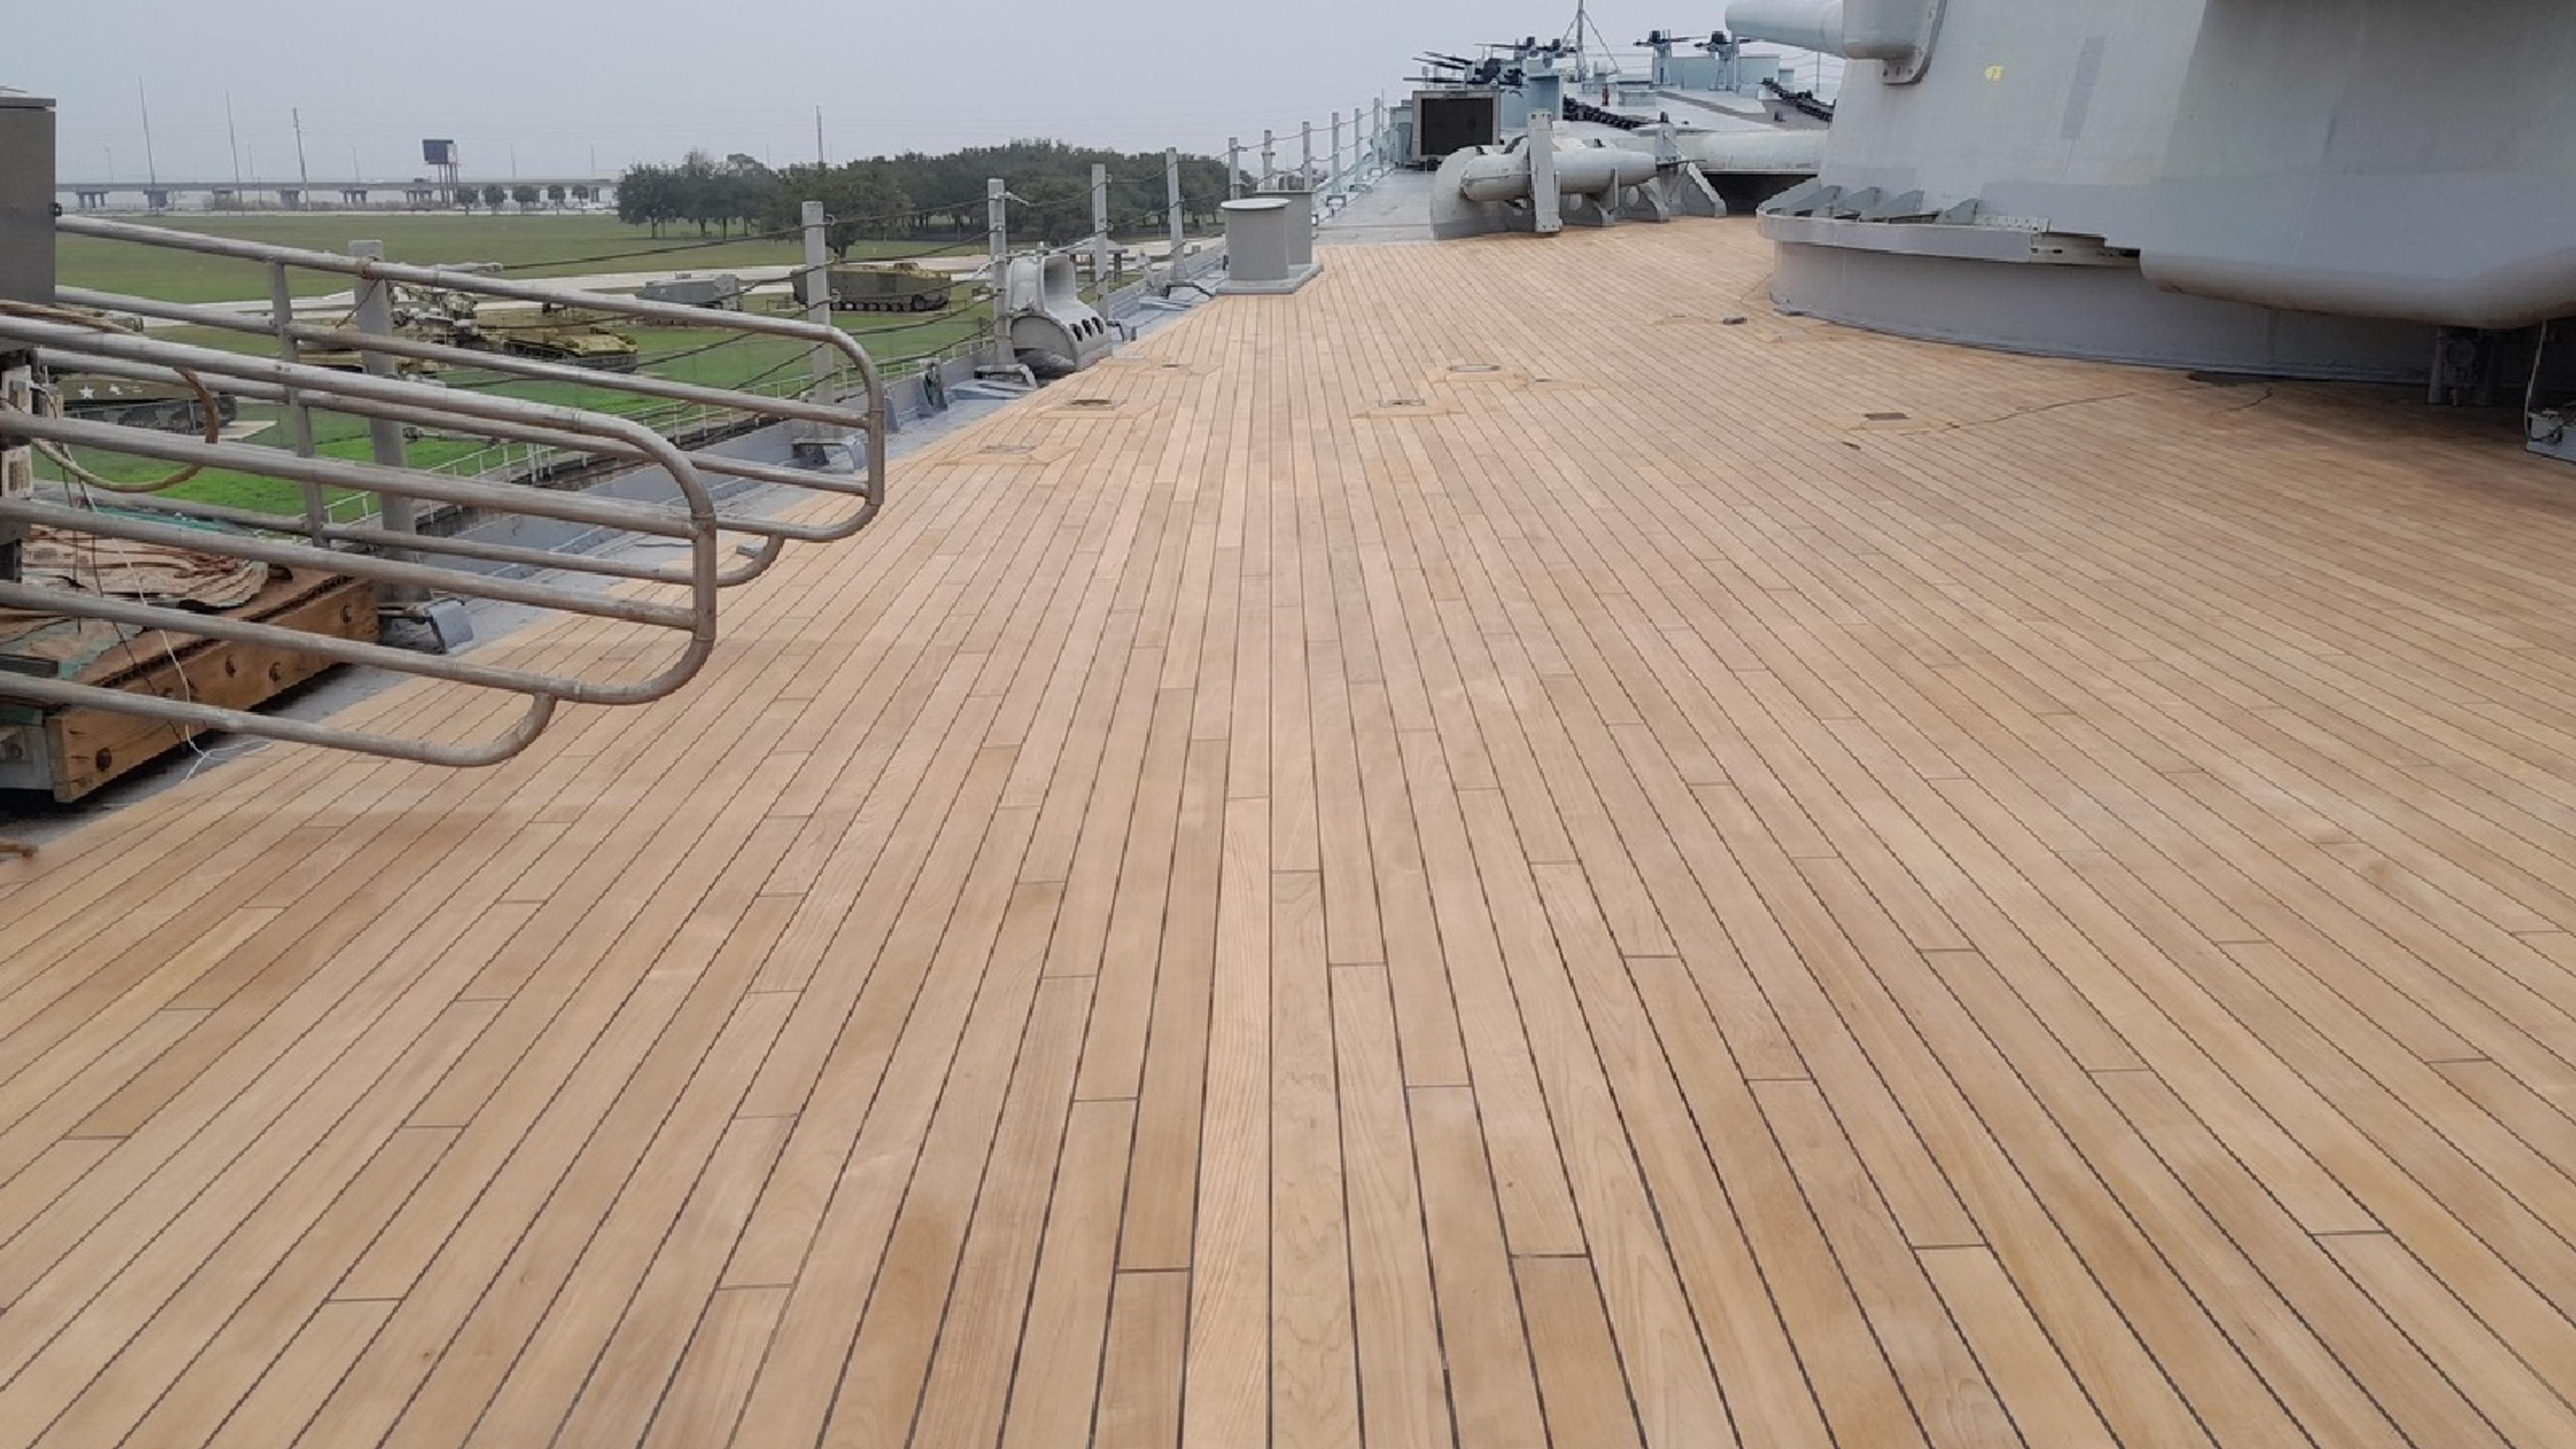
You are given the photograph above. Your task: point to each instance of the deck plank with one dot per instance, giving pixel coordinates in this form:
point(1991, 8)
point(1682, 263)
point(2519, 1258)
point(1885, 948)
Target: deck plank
point(1628, 903)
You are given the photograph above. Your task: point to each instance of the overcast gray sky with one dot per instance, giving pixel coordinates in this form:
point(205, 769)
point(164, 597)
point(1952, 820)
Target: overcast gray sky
point(559, 81)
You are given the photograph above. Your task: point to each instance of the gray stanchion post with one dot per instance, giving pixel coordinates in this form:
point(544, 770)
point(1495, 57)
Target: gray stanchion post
point(1544, 200)
point(1306, 155)
point(1172, 210)
point(375, 314)
point(1100, 226)
point(299, 418)
point(817, 288)
point(996, 223)
point(1269, 162)
point(1233, 168)
point(1377, 133)
point(1336, 183)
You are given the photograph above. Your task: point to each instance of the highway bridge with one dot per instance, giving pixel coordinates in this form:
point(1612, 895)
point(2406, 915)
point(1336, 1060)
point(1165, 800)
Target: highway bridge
point(412, 191)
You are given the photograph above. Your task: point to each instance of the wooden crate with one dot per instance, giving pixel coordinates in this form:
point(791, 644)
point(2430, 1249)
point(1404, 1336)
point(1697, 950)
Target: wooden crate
point(88, 748)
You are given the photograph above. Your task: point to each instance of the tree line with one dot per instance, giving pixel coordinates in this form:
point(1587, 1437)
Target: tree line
point(917, 196)
point(492, 194)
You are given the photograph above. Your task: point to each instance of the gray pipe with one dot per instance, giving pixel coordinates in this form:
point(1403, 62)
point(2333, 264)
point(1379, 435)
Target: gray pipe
point(1580, 171)
point(63, 694)
point(1754, 153)
point(771, 473)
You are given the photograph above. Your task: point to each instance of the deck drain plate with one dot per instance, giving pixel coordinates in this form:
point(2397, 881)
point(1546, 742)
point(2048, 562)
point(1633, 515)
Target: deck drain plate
point(1099, 406)
point(1005, 455)
point(1408, 407)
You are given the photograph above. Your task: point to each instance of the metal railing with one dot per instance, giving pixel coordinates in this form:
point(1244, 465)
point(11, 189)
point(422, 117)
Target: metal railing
point(1371, 153)
point(384, 546)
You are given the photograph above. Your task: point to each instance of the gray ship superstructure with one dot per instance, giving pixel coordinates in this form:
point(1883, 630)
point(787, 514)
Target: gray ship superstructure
point(2247, 184)
point(1538, 134)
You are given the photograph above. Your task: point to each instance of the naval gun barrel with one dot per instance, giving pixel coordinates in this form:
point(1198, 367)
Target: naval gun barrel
point(1804, 24)
point(1897, 32)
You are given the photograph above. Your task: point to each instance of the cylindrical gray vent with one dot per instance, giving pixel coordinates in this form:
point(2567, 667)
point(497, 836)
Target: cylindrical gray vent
point(1268, 246)
point(1256, 239)
point(1301, 227)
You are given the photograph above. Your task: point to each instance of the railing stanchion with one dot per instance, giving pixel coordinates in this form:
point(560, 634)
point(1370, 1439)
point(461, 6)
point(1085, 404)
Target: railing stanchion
point(1100, 227)
point(1172, 211)
point(374, 315)
point(299, 418)
point(817, 290)
point(1334, 181)
point(997, 224)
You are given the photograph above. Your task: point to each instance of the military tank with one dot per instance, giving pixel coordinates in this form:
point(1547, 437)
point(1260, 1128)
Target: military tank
point(722, 290)
point(435, 314)
point(582, 344)
point(346, 359)
point(167, 407)
point(894, 287)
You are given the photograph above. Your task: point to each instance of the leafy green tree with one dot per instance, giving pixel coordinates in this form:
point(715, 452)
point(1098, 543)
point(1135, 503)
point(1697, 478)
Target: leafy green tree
point(717, 194)
point(493, 195)
point(524, 194)
point(861, 200)
point(555, 193)
point(649, 196)
point(920, 197)
point(1053, 209)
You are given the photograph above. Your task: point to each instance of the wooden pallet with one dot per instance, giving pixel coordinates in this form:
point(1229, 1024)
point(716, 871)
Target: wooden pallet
point(87, 748)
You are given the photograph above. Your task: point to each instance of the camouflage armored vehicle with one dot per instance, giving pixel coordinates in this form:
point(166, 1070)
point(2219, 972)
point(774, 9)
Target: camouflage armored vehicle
point(424, 314)
point(434, 314)
point(583, 344)
point(897, 287)
point(346, 359)
point(721, 290)
point(169, 407)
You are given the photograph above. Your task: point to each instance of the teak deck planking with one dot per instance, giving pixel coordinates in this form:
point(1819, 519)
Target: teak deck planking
point(1510, 850)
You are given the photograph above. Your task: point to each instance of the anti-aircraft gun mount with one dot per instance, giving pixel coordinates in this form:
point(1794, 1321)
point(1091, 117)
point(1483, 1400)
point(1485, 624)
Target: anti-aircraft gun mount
point(1543, 179)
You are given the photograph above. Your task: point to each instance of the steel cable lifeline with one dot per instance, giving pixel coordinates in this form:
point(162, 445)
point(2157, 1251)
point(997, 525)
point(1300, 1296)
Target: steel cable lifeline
point(704, 244)
point(711, 243)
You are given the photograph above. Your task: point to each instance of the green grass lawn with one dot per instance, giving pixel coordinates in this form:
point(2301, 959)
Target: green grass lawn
point(528, 244)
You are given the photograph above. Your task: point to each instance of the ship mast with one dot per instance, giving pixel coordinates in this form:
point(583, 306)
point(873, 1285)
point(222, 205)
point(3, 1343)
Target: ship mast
point(1585, 28)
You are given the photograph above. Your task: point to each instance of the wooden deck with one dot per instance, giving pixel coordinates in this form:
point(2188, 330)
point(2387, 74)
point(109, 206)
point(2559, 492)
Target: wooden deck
point(1713, 883)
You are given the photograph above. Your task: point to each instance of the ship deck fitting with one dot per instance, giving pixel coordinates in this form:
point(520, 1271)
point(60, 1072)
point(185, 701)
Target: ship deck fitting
point(1511, 849)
